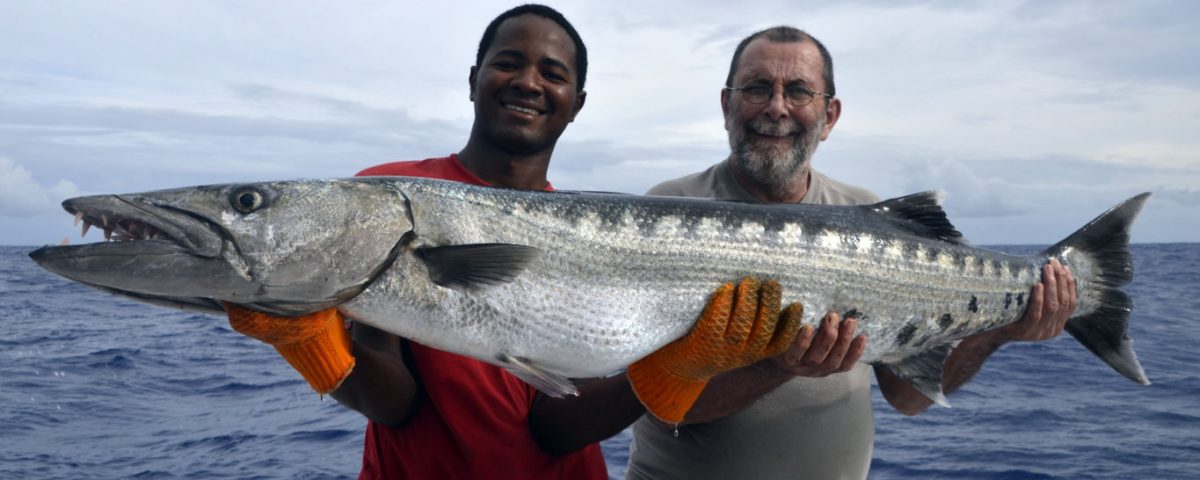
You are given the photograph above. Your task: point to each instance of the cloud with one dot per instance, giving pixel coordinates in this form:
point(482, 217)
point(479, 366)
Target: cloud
point(21, 196)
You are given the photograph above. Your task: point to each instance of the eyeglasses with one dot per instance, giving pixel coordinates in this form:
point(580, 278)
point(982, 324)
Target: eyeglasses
point(794, 95)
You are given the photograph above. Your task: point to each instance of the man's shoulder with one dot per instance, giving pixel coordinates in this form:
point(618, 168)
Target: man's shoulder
point(428, 167)
point(699, 184)
point(836, 192)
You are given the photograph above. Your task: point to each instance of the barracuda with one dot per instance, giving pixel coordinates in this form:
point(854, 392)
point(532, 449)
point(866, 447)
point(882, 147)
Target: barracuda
point(560, 285)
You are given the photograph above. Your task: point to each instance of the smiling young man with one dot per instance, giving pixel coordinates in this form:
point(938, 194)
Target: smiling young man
point(436, 414)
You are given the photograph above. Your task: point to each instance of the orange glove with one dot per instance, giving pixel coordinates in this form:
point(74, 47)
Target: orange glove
point(734, 330)
point(316, 345)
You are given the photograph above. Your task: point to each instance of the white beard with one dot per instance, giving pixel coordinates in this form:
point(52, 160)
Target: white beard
point(778, 169)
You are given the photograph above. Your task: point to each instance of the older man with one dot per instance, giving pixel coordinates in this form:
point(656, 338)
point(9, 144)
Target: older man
point(807, 412)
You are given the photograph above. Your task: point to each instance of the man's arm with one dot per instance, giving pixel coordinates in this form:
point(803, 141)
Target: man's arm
point(381, 386)
point(364, 370)
point(815, 353)
point(1051, 303)
point(603, 408)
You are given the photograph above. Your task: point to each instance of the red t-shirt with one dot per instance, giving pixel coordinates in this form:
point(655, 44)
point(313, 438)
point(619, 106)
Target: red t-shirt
point(473, 419)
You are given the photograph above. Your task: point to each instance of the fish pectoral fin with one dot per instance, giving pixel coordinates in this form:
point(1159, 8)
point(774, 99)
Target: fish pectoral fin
point(476, 265)
point(551, 384)
point(925, 371)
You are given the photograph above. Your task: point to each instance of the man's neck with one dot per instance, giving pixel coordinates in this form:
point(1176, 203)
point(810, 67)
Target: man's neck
point(504, 169)
point(762, 193)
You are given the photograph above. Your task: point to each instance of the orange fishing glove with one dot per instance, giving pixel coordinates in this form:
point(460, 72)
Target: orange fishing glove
point(316, 345)
point(734, 330)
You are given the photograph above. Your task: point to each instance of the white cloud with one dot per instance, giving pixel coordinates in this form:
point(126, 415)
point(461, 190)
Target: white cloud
point(21, 196)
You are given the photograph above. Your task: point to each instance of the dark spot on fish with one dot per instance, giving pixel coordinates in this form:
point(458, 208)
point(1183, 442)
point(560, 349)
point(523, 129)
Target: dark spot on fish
point(850, 242)
point(646, 225)
point(690, 224)
point(973, 307)
point(852, 313)
point(1007, 300)
point(906, 334)
point(1020, 299)
point(945, 321)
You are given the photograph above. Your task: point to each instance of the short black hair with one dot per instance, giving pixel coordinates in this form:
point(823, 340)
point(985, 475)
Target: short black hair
point(786, 34)
point(489, 36)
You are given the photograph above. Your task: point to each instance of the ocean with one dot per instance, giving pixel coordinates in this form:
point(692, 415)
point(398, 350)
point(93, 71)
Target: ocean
point(96, 386)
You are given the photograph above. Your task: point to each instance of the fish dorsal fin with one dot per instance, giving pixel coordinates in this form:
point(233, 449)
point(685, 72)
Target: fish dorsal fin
point(476, 265)
point(925, 371)
point(551, 384)
point(921, 214)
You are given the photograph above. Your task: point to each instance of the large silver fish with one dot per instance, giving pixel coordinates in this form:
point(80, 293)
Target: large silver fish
point(558, 285)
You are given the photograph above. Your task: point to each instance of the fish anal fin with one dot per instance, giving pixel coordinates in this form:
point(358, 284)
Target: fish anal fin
point(551, 384)
point(921, 214)
point(925, 371)
point(476, 265)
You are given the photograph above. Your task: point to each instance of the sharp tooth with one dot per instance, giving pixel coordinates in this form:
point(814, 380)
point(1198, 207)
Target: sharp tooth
point(107, 233)
point(84, 230)
point(78, 218)
point(104, 219)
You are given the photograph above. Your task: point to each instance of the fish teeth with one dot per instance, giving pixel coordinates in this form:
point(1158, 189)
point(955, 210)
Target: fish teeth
point(78, 218)
point(83, 231)
point(107, 233)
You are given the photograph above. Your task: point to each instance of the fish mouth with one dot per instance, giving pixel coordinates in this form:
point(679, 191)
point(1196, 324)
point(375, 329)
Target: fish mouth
point(141, 239)
point(151, 226)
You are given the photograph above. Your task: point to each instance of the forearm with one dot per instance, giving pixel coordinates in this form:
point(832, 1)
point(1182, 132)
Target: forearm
point(380, 387)
point(735, 390)
point(963, 363)
point(603, 408)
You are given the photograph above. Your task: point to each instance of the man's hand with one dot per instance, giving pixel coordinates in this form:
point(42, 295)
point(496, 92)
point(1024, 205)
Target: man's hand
point(316, 345)
point(818, 353)
point(1051, 303)
point(736, 328)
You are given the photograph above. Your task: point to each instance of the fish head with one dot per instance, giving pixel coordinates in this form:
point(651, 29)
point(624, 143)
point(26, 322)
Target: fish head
point(287, 248)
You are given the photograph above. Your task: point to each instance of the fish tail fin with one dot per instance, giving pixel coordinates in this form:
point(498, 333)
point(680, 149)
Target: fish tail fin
point(1102, 246)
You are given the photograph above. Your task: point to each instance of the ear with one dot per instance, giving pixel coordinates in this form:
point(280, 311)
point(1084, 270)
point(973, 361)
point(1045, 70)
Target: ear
point(832, 113)
point(725, 105)
point(579, 99)
point(471, 81)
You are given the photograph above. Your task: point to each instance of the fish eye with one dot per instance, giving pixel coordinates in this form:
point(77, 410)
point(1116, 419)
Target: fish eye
point(246, 200)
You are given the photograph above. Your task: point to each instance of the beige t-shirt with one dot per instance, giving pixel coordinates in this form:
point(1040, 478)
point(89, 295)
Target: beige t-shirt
point(817, 428)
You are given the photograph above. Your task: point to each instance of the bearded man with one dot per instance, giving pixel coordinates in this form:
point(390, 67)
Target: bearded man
point(805, 413)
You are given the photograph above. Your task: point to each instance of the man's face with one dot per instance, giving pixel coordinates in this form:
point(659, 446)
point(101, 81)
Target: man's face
point(524, 90)
point(773, 142)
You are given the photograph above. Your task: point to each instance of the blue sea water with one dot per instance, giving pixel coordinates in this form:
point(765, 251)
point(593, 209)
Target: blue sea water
point(97, 386)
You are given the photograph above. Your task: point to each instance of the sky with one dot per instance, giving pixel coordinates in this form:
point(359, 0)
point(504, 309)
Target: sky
point(1032, 117)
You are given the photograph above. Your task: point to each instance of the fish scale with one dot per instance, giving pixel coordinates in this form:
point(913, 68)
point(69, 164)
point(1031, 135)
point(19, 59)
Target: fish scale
point(557, 285)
